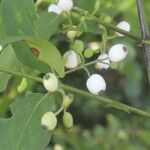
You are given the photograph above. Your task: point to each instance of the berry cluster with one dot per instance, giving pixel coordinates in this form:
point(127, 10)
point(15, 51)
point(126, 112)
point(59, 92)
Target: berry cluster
point(49, 119)
point(74, 58)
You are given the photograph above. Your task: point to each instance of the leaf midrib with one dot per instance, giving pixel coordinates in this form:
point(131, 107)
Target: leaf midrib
point(29, 119)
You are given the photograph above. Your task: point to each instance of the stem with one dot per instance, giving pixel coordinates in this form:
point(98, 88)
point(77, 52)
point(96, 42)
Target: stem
point(81, 67)
point(114, 28)
point(69, 19)
point(59, 111)
point(86, 65)
point(137, 38)
point(21, 74)
point(145, 34)
point(104, 100)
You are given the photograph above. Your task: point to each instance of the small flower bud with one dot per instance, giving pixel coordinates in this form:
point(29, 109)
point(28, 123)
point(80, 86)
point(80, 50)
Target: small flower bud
point(71, 34)
point(117, 52)
point(67, 120)
point(50, 82)
point(49, 121)
point(88, 53)
point(96, 84)
point(78, 46)
point(65, 5)
point(54, 8)
point(114, 65)
point(67, 100)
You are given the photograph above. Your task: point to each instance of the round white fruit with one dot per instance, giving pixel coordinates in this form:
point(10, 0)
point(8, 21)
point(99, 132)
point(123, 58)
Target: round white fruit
point(49, 121)
point(70, 59)
point(94, 46)
point(117, 52)
point(65, 5)
point(50, 82)
point(124, 25)
point(96, 84)
point(105, 61)
point(54, 8)
point(58, 147)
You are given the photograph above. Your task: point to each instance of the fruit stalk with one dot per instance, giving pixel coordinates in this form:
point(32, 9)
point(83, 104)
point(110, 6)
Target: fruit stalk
point(107, 102)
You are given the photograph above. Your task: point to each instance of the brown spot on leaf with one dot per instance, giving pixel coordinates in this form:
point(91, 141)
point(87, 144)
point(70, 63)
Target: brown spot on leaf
point(35, 51)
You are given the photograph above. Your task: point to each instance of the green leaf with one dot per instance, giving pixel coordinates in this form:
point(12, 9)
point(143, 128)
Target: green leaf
point(23, 52)
point(25, 55)
point(2, 31)
point(85, 4)
point(9, 60)
point(21, 20)
point(90, 26)
point(48, 54)
point(21, 17)
point(10, 39)
point(47, 24)
point(23, 130)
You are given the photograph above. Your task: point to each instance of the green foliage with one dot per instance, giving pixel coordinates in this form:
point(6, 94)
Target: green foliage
point(9, 60)
point(22, 19)
point(47, 24)
point(48, 54)
point(24, 26)
point(91, 27)
point(23, 130)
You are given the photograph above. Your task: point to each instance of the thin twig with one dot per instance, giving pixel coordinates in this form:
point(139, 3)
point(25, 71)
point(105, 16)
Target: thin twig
point(104, 100)
point(133, 36)
point(145, 34)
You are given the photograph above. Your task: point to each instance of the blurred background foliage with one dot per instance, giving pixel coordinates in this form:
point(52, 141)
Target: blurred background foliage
point(96, 127)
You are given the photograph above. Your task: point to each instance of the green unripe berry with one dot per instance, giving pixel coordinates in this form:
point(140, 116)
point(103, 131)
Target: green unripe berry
point(67, 120)
point(88, 53)
point(49, 121)
point(78, 46)
point(114, 65)
point(79, 59)
point(71, 34)
point(67, 100)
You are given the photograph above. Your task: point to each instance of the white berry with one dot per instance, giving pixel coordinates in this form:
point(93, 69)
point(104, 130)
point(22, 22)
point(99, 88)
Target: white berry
point(70, 59)
point(65, 5)
point(117, 52)
point(96, 84)
point(105, 61)
point(50, 82)
point(1, 47)
point(94, 46)
point(58, 147)
point(124, 25)
point(54, 8)
point(49, 121)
